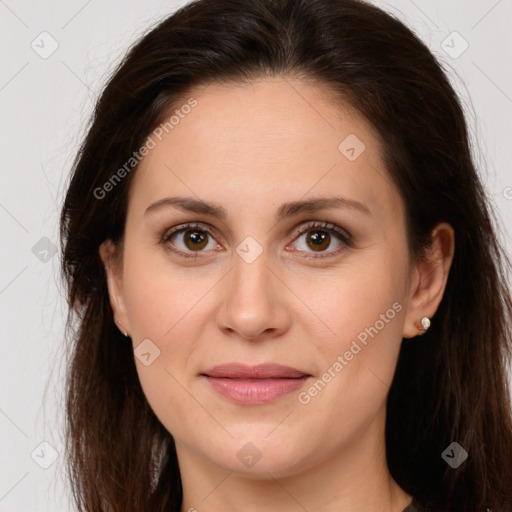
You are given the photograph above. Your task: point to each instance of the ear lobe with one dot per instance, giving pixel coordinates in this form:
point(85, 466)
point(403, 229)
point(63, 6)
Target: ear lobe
point(113, 270)
point(430, 280)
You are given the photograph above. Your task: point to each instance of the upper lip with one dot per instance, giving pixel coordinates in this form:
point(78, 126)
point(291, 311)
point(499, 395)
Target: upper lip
point(260, 371)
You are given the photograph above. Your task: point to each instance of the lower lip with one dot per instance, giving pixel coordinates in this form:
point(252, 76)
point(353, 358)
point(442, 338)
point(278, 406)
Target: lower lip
point(255, 391)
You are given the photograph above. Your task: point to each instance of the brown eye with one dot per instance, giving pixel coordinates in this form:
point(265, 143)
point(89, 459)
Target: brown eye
point(195, 239)
point(318, 240)
point(318, 237)
point(189, 239)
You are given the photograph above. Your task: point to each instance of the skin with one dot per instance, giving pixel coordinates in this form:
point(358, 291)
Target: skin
point(250, 148)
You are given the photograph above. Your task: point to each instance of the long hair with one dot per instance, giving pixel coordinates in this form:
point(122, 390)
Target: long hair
point(451, 383)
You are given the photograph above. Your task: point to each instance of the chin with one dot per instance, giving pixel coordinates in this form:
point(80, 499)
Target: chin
point(260, 454)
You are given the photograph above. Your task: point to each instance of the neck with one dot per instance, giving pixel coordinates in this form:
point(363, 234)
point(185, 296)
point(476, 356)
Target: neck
point(355, 478)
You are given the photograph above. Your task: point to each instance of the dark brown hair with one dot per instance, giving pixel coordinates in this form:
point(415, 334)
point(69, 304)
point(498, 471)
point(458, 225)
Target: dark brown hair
point(451, 384)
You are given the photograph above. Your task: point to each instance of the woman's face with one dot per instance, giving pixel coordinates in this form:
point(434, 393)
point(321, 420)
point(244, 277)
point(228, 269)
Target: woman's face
point(242, 285)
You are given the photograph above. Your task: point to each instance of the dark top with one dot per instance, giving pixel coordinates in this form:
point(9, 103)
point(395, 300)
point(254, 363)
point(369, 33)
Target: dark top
point(414, 506)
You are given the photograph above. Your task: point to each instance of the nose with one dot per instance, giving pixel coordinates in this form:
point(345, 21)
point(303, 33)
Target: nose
point(253, 302)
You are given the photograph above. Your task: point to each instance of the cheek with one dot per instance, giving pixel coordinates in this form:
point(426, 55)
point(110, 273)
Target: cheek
point(166, 307)
point(362, 321)
point(160, 299)
point(359, 359)
point(360, 303)
point(158, 306)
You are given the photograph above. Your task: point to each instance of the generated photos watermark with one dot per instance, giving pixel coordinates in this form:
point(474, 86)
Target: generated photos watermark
point(149, 144)
point(304, 397)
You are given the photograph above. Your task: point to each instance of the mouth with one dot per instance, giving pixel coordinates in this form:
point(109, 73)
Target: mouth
point(254, 385)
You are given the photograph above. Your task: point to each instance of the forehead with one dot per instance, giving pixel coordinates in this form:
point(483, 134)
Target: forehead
point(274, 139)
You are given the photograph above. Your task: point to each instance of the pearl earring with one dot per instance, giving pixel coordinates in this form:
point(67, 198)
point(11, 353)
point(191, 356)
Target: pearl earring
point(425, 323)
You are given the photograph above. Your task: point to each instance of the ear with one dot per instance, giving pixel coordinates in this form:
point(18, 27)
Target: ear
point(109, 254)
point(429, 279)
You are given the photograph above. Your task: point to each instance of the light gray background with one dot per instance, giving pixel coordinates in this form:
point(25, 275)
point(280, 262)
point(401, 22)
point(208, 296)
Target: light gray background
point(45, 104)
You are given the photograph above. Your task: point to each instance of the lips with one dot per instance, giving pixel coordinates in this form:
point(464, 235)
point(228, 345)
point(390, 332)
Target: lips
point(260, 371)
point(254, 385)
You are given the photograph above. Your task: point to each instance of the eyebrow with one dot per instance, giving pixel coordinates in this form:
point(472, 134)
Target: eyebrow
point(289, 209)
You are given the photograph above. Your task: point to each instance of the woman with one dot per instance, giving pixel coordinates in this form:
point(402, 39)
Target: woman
point(277, 206)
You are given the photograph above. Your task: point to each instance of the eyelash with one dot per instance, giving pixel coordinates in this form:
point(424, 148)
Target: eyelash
point(342, 235)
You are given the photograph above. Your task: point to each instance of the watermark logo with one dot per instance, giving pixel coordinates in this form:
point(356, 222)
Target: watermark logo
point(44, 250)
point(249, 455)
point(44, 45)
point(454, 455)
point(146, 352)
point(44, 455)
point(454, 45)
point(351, 147)
point(249, 249)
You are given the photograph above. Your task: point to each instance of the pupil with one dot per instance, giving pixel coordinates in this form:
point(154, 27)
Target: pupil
point(196, 237)
point(318, 238)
